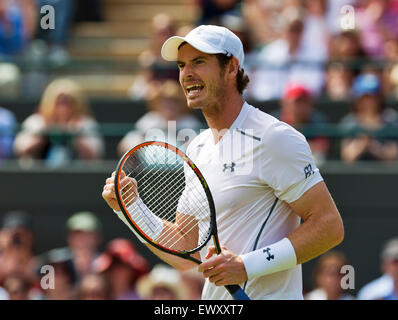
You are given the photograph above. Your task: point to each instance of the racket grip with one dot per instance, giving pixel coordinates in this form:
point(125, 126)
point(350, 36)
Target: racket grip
point(237, 292)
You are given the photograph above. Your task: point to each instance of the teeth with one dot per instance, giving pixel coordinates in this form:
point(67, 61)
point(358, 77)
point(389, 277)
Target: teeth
point(194, 86)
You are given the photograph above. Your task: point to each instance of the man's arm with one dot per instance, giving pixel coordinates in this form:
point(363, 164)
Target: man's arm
point(179, 263)
point(321, 230)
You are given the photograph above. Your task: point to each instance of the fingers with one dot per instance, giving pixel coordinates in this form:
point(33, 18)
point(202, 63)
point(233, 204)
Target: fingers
point(225, 268)
point(127, 186)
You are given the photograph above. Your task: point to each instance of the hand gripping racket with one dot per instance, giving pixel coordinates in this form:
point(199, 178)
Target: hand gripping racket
point(167, 201)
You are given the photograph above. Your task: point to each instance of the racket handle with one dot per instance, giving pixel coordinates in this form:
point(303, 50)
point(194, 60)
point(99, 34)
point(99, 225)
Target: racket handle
point(237, 292)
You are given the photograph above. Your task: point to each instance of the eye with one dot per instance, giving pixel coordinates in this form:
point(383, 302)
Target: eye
point(180, 66)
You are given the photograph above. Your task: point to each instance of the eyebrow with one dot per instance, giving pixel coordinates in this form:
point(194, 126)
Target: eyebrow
point(193, 60)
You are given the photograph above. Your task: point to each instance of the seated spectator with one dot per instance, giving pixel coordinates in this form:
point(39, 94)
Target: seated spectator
point(377, 22)
point(384, 285)
point(64, 284)
point(123, 266)
point(345, 47)
point(63, 129)
point(212, 10)
point(167, 120)
point(162, 283)
point(327, 278)
point(154, 69)
point(95, 286)
point(7, 132)
point(338, 81)
point(390, 256)
point(298, 111)
point(17, 257)
point(12, 33)
point(84, 238)
point(286, 60)
point(366, 119)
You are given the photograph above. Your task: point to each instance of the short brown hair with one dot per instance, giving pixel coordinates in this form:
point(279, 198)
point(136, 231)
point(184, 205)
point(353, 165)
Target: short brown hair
point(242, 79)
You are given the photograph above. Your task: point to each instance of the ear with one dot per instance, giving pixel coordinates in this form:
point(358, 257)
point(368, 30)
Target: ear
point(233, 68)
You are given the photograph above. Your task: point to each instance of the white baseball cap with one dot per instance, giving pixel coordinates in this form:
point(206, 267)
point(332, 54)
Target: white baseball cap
point(208, 39)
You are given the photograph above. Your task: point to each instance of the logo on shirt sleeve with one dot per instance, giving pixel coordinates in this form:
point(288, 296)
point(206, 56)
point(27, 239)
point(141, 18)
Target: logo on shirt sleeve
point(308, 171)
point(230, 167)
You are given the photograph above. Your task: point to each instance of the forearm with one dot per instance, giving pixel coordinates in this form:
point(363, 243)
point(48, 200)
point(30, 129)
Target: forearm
point(175, 261)
point(316, 236)
point(167, 229)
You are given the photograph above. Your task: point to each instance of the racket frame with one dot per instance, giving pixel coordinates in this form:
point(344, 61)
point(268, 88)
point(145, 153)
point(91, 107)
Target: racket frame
point(213, 224)
point(235, 290)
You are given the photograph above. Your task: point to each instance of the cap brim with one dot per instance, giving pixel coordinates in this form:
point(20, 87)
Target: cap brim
point(169, 49)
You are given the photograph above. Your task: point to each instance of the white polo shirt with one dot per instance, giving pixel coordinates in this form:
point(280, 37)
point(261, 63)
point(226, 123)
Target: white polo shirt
point(259, 166)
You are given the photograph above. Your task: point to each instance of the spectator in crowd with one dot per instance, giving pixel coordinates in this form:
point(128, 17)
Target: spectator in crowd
point(17, 257)
point(327, 278)
point(123, 266)
point(212, 10)
point(362, 123)
point(345, 47)
point(390, 256)
point(154, 69)
point(377, 22)
point(64, 285)
point(286, 60)
point(298, 111)
point(63, 128)
point(168, 119)
point(384, 286)
point(95, 286)
point(12, 33)
point(338, 81)
point(84, 239)
point(7, 132)
point(316, 30)
point(390, 69)
point(162, 283)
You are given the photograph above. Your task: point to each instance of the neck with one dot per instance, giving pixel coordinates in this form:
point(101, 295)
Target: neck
point(219, 117)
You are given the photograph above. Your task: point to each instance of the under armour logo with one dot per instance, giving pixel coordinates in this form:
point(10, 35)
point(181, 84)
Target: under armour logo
point(269, 255)
point(229, 166)
point(308, 171)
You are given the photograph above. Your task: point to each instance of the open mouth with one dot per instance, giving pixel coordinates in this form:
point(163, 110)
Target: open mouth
point(194, 89)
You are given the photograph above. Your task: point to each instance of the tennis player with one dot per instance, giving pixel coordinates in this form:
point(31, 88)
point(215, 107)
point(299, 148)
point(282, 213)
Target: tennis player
point(261, 194)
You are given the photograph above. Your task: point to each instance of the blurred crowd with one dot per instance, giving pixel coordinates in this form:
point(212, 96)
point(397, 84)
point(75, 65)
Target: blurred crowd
point(82, 270)
point(297, 52)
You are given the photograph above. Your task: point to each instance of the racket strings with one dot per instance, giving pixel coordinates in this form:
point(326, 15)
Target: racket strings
point(167, 238)
point(168, 176)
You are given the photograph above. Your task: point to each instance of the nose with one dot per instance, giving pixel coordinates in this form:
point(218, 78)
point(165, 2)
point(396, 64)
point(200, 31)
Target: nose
point(186, 73)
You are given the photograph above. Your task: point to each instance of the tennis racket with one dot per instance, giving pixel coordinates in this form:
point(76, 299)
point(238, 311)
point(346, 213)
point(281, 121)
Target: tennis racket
point(167, 201)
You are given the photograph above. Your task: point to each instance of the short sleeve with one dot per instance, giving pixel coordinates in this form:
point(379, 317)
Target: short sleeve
point(288, 166)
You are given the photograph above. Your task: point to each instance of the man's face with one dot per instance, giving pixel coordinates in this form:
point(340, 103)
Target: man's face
point(201, 77)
